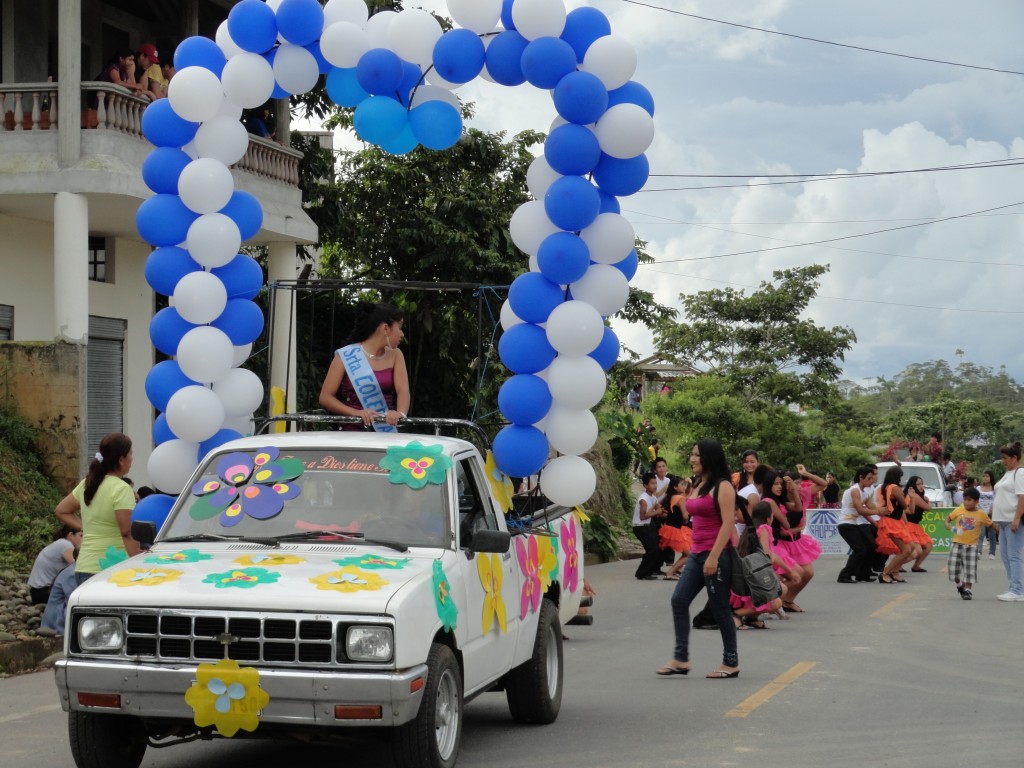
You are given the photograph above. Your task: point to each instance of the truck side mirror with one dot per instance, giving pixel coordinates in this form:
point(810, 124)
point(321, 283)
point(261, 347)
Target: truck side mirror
point(144, 532)
point(491, 541)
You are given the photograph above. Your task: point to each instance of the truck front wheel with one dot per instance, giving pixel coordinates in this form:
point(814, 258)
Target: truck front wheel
point(534, 688)
point(432, 739)
point(106, 741)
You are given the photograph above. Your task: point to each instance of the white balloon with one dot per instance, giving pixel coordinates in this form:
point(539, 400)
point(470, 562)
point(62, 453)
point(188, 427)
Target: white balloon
point(575, 382)
point(558, 122)
point(480, 16)
point(529, 226)
point(540, 176)
point(195, 94)
point(343, 44)
point(190, 150)
point(241, 354)
point(625, 131)
point(224, 41)
point(568, 480)
point(574, 328)
point(223, 139)
point(243, 425)
point(412, 35)
point(538, 18)
point(610, 238)
point(213, 240)
point(507, 317)
point(351, 11)
point(200, 297)
point(204, 354)
point(195, 413)
point(570, 432)
point(377, 29)
point(295, 68)
point(612, 59)
point(248, 80)
point(171, 464)
point(533, 263)
point(228, 108)
point(205, 185)
point(241, 392)
point(434, 78)
point(427, 92)
point(604, 287)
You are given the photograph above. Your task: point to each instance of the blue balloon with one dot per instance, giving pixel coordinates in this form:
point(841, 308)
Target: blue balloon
point(563, 258)
point(379, 119)
point(199, 52)
point(609, 203)
point(524, 348)
point(253, 26)
point(161, 431)
point(505, 57)
point(163, 127)
point(520, 451)
point(628, 265)
point(322, 64)
point(581, 98)
point(300, 22)
point(547, 60)
point(571, 203)
point(411, 78)
point(459, 55)
point(379, 72)
point(582, 27)
point(241, 321)
point(344, 89)
point(532, 297)
point(506, 14)
point(402, 144)
point(632, 93)
point(163, 380)
point(622, 177)
point(215, 442)
point(162, 168)
point(572, 150)
point(607, 351)
point(436, 124)
point(242, 277)
point(245, 210)
point(166, 266)
point(153, 509)
point(164, 220)
point(524, 399)
point(166, 329)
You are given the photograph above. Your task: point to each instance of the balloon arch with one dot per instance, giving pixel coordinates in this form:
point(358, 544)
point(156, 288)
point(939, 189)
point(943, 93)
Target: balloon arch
point(399, 71)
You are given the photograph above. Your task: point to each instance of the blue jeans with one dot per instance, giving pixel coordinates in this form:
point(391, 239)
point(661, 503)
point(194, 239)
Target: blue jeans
point(57, 605)
point(991, 534)
point(1010, 545)
point(691, 582)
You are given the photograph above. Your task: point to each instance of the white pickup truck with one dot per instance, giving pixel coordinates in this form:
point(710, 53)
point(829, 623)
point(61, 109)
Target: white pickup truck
point(311, 584)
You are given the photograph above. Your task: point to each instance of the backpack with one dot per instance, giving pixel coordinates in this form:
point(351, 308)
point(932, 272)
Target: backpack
point(763, 583)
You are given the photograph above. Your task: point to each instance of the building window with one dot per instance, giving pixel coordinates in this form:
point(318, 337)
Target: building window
point(105, 379)
point(6, 322)
point(98, 259)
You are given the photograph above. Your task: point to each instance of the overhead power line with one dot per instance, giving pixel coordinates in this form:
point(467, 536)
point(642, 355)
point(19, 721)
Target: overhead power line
point(824, 42)
point(843, 174)
point(667, 220)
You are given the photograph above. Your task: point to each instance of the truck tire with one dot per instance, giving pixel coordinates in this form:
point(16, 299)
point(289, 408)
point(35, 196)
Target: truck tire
point(432, 739)
point(106, 741)
point(534, 688)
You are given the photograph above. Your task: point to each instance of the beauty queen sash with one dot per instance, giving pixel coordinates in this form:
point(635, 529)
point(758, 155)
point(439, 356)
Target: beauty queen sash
point(365, 383)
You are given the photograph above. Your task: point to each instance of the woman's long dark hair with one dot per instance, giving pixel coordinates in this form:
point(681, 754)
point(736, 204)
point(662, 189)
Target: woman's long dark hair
point(893, 475)
point(760, 515)
point(369, 316)
point(768, 483)
point(113, 448)
point(743, 473)
point(911, 483)
point(714, 464)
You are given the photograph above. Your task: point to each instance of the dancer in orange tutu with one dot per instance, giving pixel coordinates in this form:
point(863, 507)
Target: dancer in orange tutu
point(675, 534)
point(917, 505)
point(893, 534)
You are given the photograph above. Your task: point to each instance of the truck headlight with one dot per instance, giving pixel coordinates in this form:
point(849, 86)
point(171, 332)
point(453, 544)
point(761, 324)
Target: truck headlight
point(369, 643)
point(97, 634)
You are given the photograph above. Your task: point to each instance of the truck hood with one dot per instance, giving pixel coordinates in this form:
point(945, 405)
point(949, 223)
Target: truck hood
point(315, 578)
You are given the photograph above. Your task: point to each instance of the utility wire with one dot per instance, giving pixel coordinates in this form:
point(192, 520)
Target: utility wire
point(666, 220)
point(843, 174)
point(824, 42)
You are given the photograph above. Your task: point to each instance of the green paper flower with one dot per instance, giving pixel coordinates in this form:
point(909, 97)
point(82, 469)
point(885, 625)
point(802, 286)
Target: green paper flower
point(245, 578)
point(374, 562)
point(447, 611)
point(416, 464)
point(113, 556)
point(184, 556)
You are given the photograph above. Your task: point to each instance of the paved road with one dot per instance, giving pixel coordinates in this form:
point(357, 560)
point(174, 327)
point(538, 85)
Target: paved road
point(901, 676)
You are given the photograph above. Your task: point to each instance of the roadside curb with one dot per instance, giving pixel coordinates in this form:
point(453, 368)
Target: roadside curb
point(29, 654)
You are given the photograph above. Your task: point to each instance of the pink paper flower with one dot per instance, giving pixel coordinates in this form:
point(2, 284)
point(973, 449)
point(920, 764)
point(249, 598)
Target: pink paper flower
point(571, 571)
point(527, 555)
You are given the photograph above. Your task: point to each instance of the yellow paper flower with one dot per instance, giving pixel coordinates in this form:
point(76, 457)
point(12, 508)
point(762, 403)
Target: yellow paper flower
point(350, 579)
point(144, 577)
point(268, 561)
point(500, 484)
point(489, 568)
point(580, 514)
point(547, 561)
point(227, 697)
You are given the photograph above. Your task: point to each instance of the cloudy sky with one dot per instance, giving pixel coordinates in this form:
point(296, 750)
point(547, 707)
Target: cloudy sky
point(732, 101)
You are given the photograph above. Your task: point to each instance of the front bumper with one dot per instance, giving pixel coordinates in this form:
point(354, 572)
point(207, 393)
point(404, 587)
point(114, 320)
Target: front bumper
point(301, 698)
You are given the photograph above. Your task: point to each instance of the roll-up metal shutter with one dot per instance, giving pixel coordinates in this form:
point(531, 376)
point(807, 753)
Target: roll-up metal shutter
point(105, 378)
point(6, 322)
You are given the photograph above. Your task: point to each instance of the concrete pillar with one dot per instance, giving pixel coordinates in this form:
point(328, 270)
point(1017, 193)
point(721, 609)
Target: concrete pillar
point(283, 122)
point(281, 265)
point(191, 18)
point(71, 267)
point(69, 85)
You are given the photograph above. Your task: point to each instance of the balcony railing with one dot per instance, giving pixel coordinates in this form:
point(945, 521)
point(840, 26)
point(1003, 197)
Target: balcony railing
point(28, 107)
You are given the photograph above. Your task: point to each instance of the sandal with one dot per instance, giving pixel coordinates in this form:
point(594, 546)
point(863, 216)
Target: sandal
point(754, 624)
point(792, 608)
point(919, 570)
point(668, 670)
point(721, 674)
point(740, 625)
point(898, 580)
point(885, 578)
point(670, 577)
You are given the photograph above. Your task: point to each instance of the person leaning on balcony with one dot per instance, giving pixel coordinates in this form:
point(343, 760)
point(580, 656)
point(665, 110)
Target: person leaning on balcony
point(152, 78)
point(120, 70)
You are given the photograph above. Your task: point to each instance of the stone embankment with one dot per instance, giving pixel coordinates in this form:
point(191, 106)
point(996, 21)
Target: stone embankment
point(21, 647)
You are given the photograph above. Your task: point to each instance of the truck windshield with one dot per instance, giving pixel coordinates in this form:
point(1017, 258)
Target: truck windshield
point(931, 476)
point(266, 494)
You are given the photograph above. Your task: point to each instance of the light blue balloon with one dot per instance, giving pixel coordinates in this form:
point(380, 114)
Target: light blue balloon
point(344, 89)
point(163, 127)
point(520, 451)
point(379, 119)
point(524, 348)
point(622, 177)
point(166, 330)
point(547, 60)
point(563, 258)
point(524, 399)
point(572, 150)
point(300, 22)
point(241, 321)
point(199, 52)
point(581, 98)
point(163, 380)
point(164, 220)
point(532, 297)
point(402, 144)
point(253, 26)
point(162, 168)
point(571, 203)
point(436, 124)
point(166, 266)
point(459, 55)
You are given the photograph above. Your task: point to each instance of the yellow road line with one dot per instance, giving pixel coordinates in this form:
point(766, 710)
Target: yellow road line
point(754, 701)
point(892, 604)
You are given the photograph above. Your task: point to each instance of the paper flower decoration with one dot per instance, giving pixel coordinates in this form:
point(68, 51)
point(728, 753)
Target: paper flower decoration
point(227, 696)
point(144, 577)
point(244, 578)
point(501, 485)
point(571, 573)
point(526, 553)
point(374, 562)
point(113, 556)
point(349, 579)
point(491, 576)
point(582, 516)
point(416, 464)
point(268, 561)
point(184, 556)
point(447, 611)
point(547, 561)
point(256, 485)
